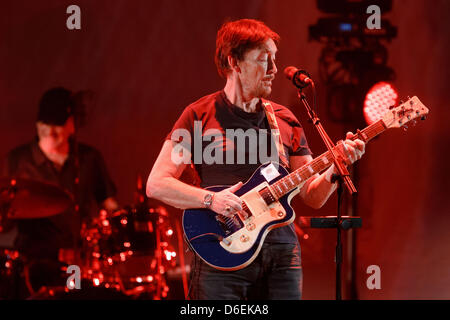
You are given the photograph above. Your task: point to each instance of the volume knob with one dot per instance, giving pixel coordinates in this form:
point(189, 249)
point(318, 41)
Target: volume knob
point(244, 238)
point(251, 226)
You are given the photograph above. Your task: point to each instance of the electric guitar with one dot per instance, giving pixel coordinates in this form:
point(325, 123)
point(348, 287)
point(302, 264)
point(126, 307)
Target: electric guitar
point(233, 243)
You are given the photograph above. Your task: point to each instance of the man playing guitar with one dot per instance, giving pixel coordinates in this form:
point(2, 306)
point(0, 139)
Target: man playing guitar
point(245, 56)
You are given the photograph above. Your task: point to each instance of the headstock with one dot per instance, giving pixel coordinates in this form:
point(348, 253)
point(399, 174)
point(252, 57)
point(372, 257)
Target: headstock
point(406, 112)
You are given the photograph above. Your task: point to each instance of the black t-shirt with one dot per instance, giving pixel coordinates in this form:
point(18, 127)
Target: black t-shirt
point(43, 237)
point(210, 129)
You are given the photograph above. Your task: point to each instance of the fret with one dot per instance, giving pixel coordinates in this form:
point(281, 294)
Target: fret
point(297, 174)
point(274, 192)
point(292, 182)
point(371, 131)
point(302, 174)
point(281, 191)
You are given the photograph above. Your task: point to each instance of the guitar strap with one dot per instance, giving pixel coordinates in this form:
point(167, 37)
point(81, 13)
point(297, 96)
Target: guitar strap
point(275, 131)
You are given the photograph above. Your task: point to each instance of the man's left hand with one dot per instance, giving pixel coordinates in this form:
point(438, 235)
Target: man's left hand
point(351, 150)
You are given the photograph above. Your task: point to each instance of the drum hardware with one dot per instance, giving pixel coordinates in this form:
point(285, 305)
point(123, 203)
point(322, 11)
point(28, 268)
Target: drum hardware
point(31, 199)
point(25, 199)
point(129, 250)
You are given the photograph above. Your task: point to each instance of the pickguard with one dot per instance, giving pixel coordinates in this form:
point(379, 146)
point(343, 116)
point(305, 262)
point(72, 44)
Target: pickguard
point(262, 214)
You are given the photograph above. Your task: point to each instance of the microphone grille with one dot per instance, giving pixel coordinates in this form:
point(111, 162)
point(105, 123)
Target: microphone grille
point(289, 72)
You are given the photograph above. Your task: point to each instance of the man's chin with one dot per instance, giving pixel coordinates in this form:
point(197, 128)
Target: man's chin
point(265, 92)
point(51, 147)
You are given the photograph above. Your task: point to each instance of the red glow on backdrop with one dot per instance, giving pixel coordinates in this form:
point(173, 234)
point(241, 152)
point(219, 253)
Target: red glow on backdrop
point(378, 100)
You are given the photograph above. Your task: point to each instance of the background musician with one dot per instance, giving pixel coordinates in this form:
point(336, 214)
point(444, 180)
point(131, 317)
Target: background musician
point(55, 157)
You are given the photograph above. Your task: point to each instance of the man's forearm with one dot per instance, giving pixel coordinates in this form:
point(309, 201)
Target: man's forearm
point(317, 191)
point(176, 193)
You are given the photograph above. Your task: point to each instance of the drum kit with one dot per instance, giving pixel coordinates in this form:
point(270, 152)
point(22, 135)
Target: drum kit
point(128, 251)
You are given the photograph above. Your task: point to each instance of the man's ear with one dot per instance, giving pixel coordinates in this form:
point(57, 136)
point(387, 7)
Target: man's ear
point(39, 126)
point(233, 63)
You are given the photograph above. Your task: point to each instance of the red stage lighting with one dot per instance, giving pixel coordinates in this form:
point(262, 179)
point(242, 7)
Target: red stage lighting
point(378, 100)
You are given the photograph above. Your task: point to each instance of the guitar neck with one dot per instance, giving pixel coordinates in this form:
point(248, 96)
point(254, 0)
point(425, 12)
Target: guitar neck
point(322, 162)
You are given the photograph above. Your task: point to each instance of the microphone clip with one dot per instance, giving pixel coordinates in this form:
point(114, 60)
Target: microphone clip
point(301, 81)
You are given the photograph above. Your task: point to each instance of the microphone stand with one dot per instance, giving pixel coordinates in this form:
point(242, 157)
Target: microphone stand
point(79, 118)
point(343, 172)
point(76, 190)
point(342, 178)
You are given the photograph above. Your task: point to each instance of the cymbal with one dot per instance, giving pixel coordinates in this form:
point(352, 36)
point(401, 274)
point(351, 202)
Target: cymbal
point(31, 199)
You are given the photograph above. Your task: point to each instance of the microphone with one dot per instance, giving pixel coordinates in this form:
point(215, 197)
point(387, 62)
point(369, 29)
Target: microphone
point(300, 78)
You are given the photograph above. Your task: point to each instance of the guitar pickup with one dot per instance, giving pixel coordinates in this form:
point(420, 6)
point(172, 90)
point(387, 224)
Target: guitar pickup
point(267, 196)
point(245, 213)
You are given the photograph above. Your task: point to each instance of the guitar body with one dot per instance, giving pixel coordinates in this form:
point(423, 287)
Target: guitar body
point(244, 236)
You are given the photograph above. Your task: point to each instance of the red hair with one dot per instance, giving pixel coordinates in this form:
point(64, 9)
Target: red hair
point(236, 38)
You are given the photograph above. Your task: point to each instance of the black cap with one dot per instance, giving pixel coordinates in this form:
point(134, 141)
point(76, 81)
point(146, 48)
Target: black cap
point(56, 106)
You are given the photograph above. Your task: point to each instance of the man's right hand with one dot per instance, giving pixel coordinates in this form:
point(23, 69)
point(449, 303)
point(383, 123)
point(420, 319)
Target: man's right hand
point(226, 202)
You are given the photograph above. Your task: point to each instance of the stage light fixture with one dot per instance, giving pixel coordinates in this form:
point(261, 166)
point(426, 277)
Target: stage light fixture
point(348, 7)
point(344, 28)
point(354, 58)
point(378, 100)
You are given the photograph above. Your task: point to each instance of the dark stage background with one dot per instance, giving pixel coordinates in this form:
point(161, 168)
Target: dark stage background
point(146, 60)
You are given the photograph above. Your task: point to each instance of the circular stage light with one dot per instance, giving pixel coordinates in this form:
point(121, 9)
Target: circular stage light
point(378, 100)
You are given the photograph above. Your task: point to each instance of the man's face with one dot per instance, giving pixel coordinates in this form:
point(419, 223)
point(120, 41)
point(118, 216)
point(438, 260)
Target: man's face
point(53, 137)
point(257, 70)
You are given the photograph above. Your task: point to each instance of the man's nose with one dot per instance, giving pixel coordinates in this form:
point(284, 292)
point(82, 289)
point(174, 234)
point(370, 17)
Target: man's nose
point(272, 67)
point(53, 133)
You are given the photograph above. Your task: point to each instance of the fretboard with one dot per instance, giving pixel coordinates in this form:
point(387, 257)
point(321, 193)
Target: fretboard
point(322, 162)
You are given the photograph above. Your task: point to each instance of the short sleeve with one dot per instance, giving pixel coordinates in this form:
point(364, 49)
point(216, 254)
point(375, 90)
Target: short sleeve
point(184, 125)
point(299, 143)
point(293, 135)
